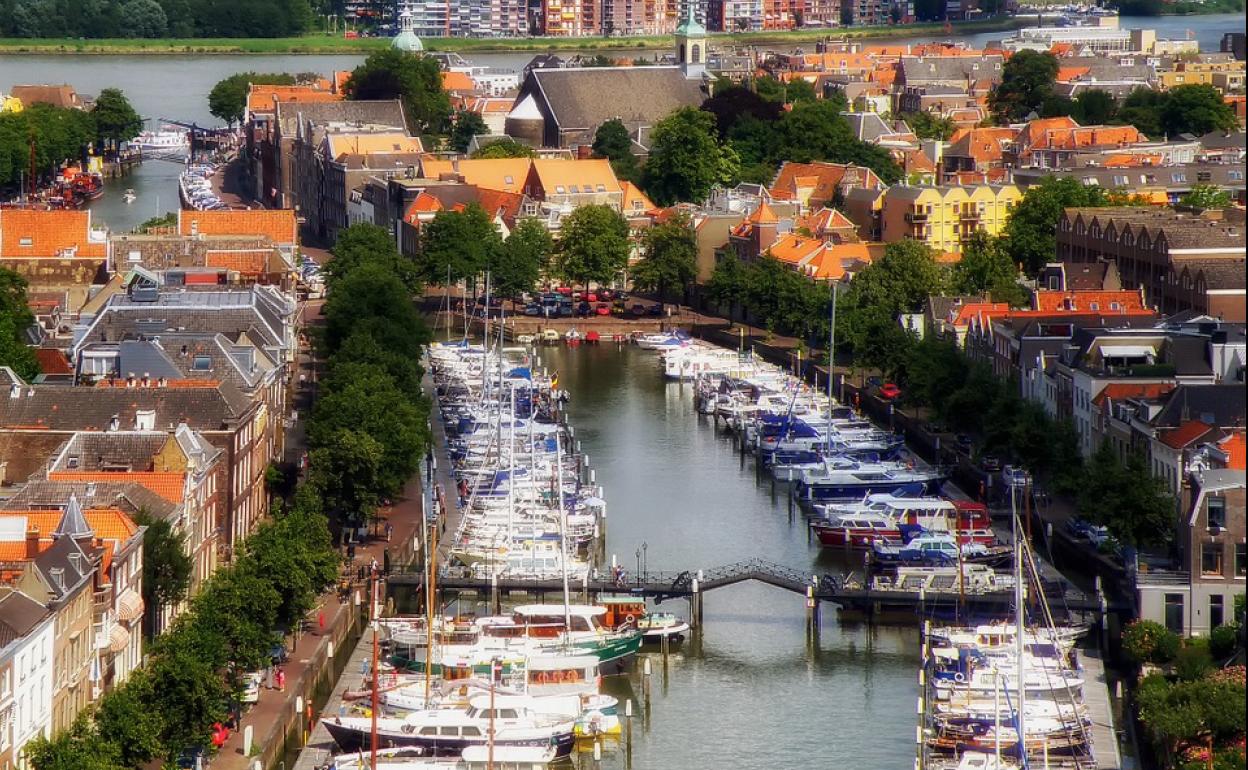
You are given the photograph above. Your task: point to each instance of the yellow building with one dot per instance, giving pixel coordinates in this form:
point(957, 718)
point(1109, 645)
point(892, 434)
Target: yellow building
point(10, 104)
point(1186, 73)
point(944, 217)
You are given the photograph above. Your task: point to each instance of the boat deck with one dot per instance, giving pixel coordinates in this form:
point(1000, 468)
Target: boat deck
point(1100, 711)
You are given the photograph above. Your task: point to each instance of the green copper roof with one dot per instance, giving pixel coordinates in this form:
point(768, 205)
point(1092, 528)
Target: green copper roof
point(690, 26)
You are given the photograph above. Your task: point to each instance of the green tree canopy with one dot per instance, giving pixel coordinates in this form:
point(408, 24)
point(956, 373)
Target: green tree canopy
point(191, 693)
point(237, 613)
point(1142, 109)
point(144, 18)
point(78, 748)
point(729, 105)
point(458, 245)
point(612, 141)
point(125, 720)
point(1206, 196)
point(293, 553)
point(504, 148)
point(228, 98)
point(15, 319)
point(1026, 81)
point(1032, 226)
point(1135, 505)
point(166, 565)
point(1196, 108)
point(115, 119)
point(593, 245)
point(368, 244)
point(347, 468)
point(901, 280)
point(414, 78)
point(686, 160)
point(466, 125)
point(927, 125)
point(524, 256)
point(794, 91)
point(987, 269)
point(1095, 107)
point(373, 300)
point(669, 257)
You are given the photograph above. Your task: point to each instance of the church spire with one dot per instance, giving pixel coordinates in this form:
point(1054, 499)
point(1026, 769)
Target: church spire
point(691, 44)
point(73, 522)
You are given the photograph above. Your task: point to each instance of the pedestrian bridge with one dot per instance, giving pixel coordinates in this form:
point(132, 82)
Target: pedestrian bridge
point(848, 591)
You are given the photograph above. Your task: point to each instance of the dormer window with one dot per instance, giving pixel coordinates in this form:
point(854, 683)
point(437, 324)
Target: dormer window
point(202, 364)
point(559, 189)
point(26, 241)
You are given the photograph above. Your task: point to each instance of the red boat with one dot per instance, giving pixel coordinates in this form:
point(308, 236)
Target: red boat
point(592, 337)
point(857, 530)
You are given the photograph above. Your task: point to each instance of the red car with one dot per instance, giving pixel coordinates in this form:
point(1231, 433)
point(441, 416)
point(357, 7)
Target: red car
point(603, 309)
point(889, 391)
point(591, 297)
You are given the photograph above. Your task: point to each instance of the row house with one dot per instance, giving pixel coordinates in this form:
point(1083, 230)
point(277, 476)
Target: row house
point(1051, 143)
point(345, 160)
point(1181, 262)
point(26, 675)
point(1198, 594)
point(944, 217)
point(1164, 183)
point(819, 183)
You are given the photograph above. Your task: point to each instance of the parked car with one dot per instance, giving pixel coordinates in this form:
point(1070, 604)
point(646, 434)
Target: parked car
point(889, 391)
point(533, 309)
point(605, 295)
point(656, 309)
point(638, 308)
point(874, 382)
point(1097, 534)
point(603, 309)
point(591, 297)
point(1077, 527)
point(989, 463)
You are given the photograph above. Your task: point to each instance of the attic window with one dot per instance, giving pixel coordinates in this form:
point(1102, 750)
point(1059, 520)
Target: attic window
point(202, 364)
point(1096, 306)
point(601, 188)
point(508, 180)
point(574, 189)
point(26, 241)
point(1115, 306)
point(559, 189)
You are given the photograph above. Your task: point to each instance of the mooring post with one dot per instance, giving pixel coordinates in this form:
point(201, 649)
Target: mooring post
point(495, 604)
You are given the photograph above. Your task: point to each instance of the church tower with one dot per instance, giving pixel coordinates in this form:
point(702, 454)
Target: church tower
point(691, 45)
point(406, 40)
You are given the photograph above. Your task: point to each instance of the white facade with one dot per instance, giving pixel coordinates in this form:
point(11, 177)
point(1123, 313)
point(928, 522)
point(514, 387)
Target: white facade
point(26, 689)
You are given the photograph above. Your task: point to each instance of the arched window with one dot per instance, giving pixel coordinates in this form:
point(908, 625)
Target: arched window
point(695, 54)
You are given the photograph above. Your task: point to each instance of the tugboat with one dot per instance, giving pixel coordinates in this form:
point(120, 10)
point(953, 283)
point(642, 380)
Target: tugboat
point(84, 185)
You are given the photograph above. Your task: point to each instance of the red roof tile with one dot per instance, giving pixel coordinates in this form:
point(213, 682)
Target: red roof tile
point(278, 225)
point(170, 486)
point(1185, 434)
point(33, 233)
point(1120, 391)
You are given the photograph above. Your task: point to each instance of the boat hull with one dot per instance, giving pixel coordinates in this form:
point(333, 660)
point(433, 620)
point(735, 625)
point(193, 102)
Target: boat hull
point(350, 738)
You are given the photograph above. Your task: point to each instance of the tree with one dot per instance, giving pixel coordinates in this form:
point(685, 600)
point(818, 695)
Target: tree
point(237, 613)
point(730, 105)
point(144, 18)
point(228, 98)
point(1131, 502)
point(413, 78)
point(669, 257)
point(365, 243)
point(818, 131)
point(166, 566)
point(1147, 641)
point(78, 748)
point(612, 141)
point(1196, 109)
point(926, 125)
point(191, 695)
point(1026, 80)
point(347, 469)
point(1206, 196)
point(125, 719)
point(504, 148)
point(686, 161)
point(726, 287)
point(593, 245)
point(372, 300)
point(524, 256)
point(1031, 227)
point(1095, 106)
point(293, 553)
point(986, 268)
point(115, 119)
point(363, 348)
point(1142, 109)
point(901, 280)
point(795, 90)
point(15, 319)
point(467, 124)
point(458, 245)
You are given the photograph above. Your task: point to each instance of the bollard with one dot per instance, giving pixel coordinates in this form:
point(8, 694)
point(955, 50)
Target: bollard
point(593, 476)
point(247, 735)
point(628, 708)
point(597, 751)
point(645, 667)
point(329, 652)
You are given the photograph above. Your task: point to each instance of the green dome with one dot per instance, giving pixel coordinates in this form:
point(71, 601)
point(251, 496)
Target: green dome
point(407, 41)
point(690, 26)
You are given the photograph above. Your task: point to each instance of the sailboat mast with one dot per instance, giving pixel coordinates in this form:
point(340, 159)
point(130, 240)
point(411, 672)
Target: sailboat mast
point(372, 601)
point(831, 363)
point(563, 541)
point(430, 599)
point(1020, 613)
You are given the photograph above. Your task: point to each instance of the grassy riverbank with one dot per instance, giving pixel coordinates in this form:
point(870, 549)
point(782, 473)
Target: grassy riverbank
point(329, 44)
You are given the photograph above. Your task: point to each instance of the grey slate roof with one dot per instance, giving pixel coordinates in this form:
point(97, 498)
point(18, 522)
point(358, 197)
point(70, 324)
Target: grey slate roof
point(1221, 406)
point(387, 112)
point(914, 70)
point(19, 615)
point(74, 564)
point(73, 522)
point(586, 98)
point(124, 449)
point(130, 497)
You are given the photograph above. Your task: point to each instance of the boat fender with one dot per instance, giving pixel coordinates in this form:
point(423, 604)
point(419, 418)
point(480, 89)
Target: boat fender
point(630, 618)
point(959, 677)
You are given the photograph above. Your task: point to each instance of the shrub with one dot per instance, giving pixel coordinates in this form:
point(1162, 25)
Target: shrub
point(1222, 642)
point(1193, 661)
point(1146, 641)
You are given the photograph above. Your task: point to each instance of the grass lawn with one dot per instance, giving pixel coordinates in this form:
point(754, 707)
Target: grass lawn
point(324, 44)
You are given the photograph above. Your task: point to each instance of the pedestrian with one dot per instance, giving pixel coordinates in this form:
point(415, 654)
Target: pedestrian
point(320, 621)
point(389, 531)
point(281, 679)
point(268, 677)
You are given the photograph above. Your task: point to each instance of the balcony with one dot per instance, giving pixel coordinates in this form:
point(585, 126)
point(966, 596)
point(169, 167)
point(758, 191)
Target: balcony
point(971, 214)
point(916, 217)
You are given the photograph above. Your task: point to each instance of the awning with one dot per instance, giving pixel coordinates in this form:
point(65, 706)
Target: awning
point(1127, 351)
point(118, 639)
point(129, 605)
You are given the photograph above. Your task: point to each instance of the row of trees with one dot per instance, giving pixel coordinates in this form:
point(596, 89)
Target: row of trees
point(195, 670)
point(15, 319)
point(154, 18)
point(59, 135)
point(370, 426)
point(1026, 87)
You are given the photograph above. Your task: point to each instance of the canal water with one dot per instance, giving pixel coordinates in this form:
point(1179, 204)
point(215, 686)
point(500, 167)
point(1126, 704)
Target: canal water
point(755, 692)
point(176, 86)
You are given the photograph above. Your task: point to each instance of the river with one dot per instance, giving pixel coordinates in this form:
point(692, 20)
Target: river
point(755, 693)
point(176, 86)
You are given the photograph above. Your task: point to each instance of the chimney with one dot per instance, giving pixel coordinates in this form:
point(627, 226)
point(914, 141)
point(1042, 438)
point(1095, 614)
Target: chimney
point(114, 424)
point(147, 379)
point(32, 542)
point(15, 390)
point(130, 380)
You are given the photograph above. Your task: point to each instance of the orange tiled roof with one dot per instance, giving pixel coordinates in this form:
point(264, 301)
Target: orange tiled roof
point(632, 196)
point(1067, 74)
point(1235, 449)
point(264, 98)
point(108, 523)
point(500, 203)
point(961, 315)
point(170, 486)
point(33, 233)
point(249, 262)
point(457, 81)
point(278, 225)
point(52, 361)
point(1119, 391)
point(831, 263)
point(1177, 438)
point(795, 249)
point(1083, 301)
point(421, 204)
point(763, 215)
